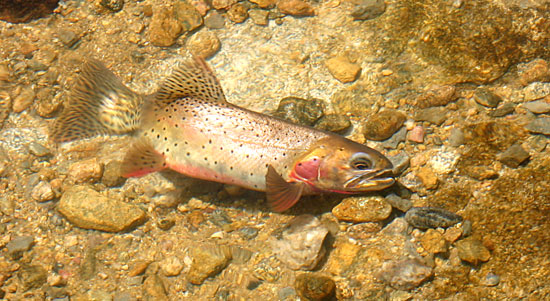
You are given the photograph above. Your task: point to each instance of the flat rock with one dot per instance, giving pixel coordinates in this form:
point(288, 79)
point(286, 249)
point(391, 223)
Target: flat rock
point(18, 245)
point(405, 274)
point(312, 286)
point(333, 123)
point(214, 20)
point(88, 209)
point(486, 98)
point(300, 245)
point(300, 111)
point(342, 69)
point(24, 100)
point(431, 217)
point(437, 95)
point(513, 156)
point(32, 276)
point(362, 209)
point(397, 202)
point(383, 125)
point(297, 8)
point(540, 125)
point(89, 170)
point(538, 106)
point(369, 9)
point(536, 90)
point(187, 15)
point(342, 257)
point(208, 261)
point(433, 242)
point(503, 110)
point(472, 250)
point(537, 70)
point(435, 115)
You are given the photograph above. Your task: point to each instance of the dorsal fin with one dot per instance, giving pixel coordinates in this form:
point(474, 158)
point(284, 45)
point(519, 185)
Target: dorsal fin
point(192, 78)
point(142, 159)
point(281, 195)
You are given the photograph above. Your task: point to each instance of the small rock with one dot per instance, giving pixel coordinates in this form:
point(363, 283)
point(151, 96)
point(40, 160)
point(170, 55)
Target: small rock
point(187, 15)
point(383, 125)
point(259, 16)
point(538, 106)
point(56, 280)
point(39, 150)
point(154, 289)
point(300, 111)
point(98, 294)
point(361, 209)
point(452, 234)
point(164, 28)
point(5, 73)
point(363, 231)
point(238, 13)
point(112, 5)
point(490, 280)
point(43, 192)
point(314, 287)
point(111, 174)
point(248, 233)
point(267, 269)
point(433, 242)
point(35, 65)
point(435, 115)
point(427, 177)
point(264, 3)
point(540, 125)
point(436, 96)
point(505, 109)
point(204, 44)
point(89, 170)
point(32, 276)
point(486, 98)
point(536, 70)
point(342, 257)
point(123, 296)
point(88, 209)
point(171, 266)
point(472, 250)
point(416, 134)
point(166, 224)
point(214, 20)
point(536, 90)
point(405, 274)
point(342, 69)
point(401, 161)
point(18, 245)
point(431, 217)
point(223, 4)
point(395, 139)
point(297, 8)
point(369, 9)
point(300, 245)
point(287, 293)
point(67, 37)
point(333, 123)
point(513, 156)
point(456, 137)
point(138, 268)
point(207, 261)
point(24, 100)
point(396, 202)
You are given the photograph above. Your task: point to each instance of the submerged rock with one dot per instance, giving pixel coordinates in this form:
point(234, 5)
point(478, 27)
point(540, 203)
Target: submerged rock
point(486, 98)
point(300, 111)
point(18, 245)
point(342, 69)
point(472, 250)
point(513, 156)
point(207, 261)
point(297, 8)
point(541, 125)
point(333, 123)
point(32, 276)
point(312, 286)
point(405, 274)
point(538, 106)
point(361, 209)
point(383, 125)
point(369, 9)
point(164, 28)
point(431, 217)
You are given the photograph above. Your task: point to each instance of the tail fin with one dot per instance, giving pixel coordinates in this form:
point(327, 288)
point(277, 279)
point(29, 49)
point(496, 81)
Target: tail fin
point(100, 104)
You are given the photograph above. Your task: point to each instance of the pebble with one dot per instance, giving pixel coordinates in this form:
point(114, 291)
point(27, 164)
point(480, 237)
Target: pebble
point(39, 150)
point(431, 217)
point(490, 280)
point(223, 4)
point(333, 123)
point(300, 111)
point(405, 274)
point(428, 177)
point(264, 3)
point(24, 100)
point(513, 156)
point(472, 250)
point(171, 266)
point(486, 98)
point(538, 106)
point(238, 13)
point(383, 125)
point(43, 192)
point(67, 37)
point(214, 20)
point(187, 15)
point(207, 261)
point(287, 293)
point(395, 139)
point(536, 90)
point(88, 209)
point(342, 69)
point(166, 223)
point(437, 95)
point(112, 5)
point(360, 209)
point(435, 115)
point(111, 174)
point(32, 276)
point(312, 286)
point(369, 9)
point(165, 28)
point(259, 16)
point(397, 202)
point(267, 269)
point(540, 125)
point(536, 70)
point(433, 242)
point(154, 289)
point(296, 8)
point(89, 170)
point(300, 245)
point(452, 234)
point(204, 44)
point(401, 161)
point(248, 233)
point(456, 137)
point(416, 134)
point(503, 110)
point(19, 245)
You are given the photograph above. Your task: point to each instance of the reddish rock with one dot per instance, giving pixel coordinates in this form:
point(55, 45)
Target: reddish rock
point(295, 8)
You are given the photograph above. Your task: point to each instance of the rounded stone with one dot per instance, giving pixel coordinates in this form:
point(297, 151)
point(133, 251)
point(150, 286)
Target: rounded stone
point(383, 125)
point(204, 44)
point(433, 242)
point(164, 28)
point(472, 250)
point(295, 8)
point(333, 123)
point(314, 287)
point(238, 13)
point(362, 209)
point(342, 69)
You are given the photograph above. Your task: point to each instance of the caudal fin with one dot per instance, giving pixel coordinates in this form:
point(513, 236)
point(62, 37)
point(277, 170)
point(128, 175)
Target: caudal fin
point(100, 104)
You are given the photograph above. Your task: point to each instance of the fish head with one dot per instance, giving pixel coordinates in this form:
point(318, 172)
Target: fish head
point(340, 165)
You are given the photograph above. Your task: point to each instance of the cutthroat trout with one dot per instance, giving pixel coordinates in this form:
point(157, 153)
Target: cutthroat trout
point(188, 126)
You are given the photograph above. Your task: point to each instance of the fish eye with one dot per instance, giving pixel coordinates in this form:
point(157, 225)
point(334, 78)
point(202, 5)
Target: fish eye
point(361, 163)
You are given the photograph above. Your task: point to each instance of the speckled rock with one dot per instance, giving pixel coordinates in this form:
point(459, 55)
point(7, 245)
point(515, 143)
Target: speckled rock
point(435, 115)
point(204, 44)
point(112, 5)
point(437, 95)
point(456, 137)
point(452, 234)
point(361, 209)
point(333, 123)
point(540, 125)
point(472, 250)
point(300, 111)
point(490, 280)
point(405, 274)
point(42, 192)
point(536, 90)
point(300, 245)
point(486, 98)
point(342, 257)
point(430, 217)
point(536, 70)
point(24, 100)
point(538, 106)
point(89, 170)
point(18, 245)
point(207, 261)
point(433, 242)
point(383, 125)
point(171, 266)
point(88, 209)
point(187, 15)
point(259, 16)
point(164, 28)
point(111, 174)
point(297, 8)
point(312, 286)
point(401, 161)
point(32, 276)
point(342, 69)
point(513, 156)
point(369, 9)
point(238, 13)
point(214, 20)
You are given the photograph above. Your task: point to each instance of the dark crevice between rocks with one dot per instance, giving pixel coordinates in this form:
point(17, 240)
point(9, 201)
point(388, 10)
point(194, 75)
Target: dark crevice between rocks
point(21, 11)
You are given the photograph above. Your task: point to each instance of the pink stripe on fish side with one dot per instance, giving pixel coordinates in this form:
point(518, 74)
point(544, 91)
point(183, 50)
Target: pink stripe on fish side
point(207, 174)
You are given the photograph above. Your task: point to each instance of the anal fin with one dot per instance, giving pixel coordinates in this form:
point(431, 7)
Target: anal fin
point(142, 159)
point(281, 195)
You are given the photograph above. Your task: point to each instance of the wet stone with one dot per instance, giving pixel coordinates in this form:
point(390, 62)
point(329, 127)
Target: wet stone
point(431, 217)
point(164, 28)
point(428, 177)
point(513, 156)
point(259, 16)
point(238, 13)
point(248, 233)
point(88, 209)
point(312, 286)
point(24, 100)
point(267, 269)
point(433, 242)
point(342, 69)
point(395, 139)
point(486, 98)
point(342, 257)
point(456, 137)
point(154, 289)
point(452, 234)
point(38, 149)
point(187, 15)
point(405, 274)
point(538, 106)
point(503, 110)
point(264, 3)
point(43, 192)
point(300, 245)
point(435, 115)
point(369, 9)
point(400, 163)
point(204, 44)
point(540, 125)
point(437, 96)
point(67, 37)
point(490, 280)
point(287, 293)
point(89, 170)
point(214, 20)
point(32, 276)
point(18, 245)
point(536, 90)
point(383, 125)
point(5, 106)
point(300, 111)
point(240, 255)
point(333, 123)
point(111, 174)
point(416, 134)
point(361, 209)
point(112, 5)
point(171, 266)
point(472, 250)
point(223, 4)
point(297, 8)
point(207, 261)
point(396, 202)
point(536, 70)
point(166, 224)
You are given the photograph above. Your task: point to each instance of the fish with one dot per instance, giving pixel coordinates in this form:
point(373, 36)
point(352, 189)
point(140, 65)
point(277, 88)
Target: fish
point(188, 126)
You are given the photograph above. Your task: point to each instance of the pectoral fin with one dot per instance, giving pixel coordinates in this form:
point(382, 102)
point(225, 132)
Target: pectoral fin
point(142, 159)
point(281, 195)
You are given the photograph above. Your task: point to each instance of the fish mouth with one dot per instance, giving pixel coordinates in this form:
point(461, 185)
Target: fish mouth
point(371, 181)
